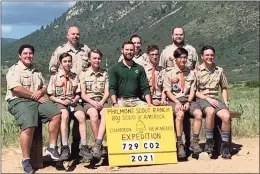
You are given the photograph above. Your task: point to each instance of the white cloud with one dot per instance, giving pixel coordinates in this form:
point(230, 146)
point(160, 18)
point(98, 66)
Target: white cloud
point(6, 28)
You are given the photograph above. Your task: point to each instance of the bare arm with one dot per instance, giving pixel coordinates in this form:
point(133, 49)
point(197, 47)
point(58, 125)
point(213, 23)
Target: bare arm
point(148, 99)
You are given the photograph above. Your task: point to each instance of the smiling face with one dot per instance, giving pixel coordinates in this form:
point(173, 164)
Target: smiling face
point(137, 44)
point(181, 61)
point(73, 35)
point(178, 36)
point(66, 63)
point(128, 52)
point(95, 60)
point(26, 57)
point(208, 56)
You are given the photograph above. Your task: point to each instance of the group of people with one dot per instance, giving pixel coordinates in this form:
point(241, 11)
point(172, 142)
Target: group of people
point(78, 86)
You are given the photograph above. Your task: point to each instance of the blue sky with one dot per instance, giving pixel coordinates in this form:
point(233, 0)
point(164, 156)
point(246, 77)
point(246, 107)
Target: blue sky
point(22, 18)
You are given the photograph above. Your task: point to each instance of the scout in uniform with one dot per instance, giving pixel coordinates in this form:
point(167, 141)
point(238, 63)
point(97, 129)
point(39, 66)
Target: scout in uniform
point(209, 78)
point(64, 90)
point(128, 81)
point(26, 102)
point(181, 94)
point(94, 91)
point(78, 51)
point(155, 75)
point(139, 57)
point(167, 59)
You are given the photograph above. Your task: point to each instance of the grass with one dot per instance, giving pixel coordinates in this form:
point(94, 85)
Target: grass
point(242, 99)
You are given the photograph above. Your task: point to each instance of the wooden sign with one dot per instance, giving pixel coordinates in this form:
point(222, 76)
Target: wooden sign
point(140, 135)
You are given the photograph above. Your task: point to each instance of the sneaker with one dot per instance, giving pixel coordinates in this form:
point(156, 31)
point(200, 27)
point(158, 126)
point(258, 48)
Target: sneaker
point(97, 151)
point(180, 149)
point(209, 145)
point(195, 147)
point(65, 153)
point(224, 150)
point(85, 152)
point(53, 152)
point(27, 166)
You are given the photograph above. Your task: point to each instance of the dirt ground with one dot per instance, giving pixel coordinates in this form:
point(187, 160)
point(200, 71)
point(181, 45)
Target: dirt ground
point(244, 161)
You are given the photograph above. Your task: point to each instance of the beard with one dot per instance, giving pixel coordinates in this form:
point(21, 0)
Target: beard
point(178, 43)
point(128, 56)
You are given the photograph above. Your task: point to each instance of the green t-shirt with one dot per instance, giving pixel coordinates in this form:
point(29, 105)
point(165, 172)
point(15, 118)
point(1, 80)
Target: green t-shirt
point(125, 82)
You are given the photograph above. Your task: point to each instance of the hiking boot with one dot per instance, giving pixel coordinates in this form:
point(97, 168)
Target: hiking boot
point(209, 145)
point(85, 152)
point(180, 149)
point(224, 150)
point(27, 166)
point(65, 153)
point(195, 147)
point(97, 150)
point(53, 152)
point(103, 151)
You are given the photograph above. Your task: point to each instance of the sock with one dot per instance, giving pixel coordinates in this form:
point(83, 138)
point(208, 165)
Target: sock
point(83, 141)
point(209, 133)
point(26, 158)
point(195, 136)
point(99, 141)
point(225, 136)
point(52, 146)
point(179, 138)
point(64, 141)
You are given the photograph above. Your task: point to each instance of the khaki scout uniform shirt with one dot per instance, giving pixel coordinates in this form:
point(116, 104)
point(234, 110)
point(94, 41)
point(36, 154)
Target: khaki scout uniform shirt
point(62, 86)
point(141, 59)
point(20, 75)
point(189, 81)
point(95, 83)
point(159, 76)
point(167, 59)
point(79, 58)
point(208, 82)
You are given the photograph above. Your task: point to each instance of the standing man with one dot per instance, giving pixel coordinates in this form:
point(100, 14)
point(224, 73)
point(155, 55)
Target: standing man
point(26, 102)
point(209, 78)
point(167, 59)
point(128, 81)
point(155, 75)
point(79, 52)
point(181, 94)
point(139, 57)
point(94, 91)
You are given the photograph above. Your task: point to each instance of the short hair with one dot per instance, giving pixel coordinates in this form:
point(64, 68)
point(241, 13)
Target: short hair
point(179, 51)
point(134, 36)
point(96, 50)
point(206, 47)
point(127, 42)
point(63, 55)
point(177, 27)
point(152, 48)
point(20, 50)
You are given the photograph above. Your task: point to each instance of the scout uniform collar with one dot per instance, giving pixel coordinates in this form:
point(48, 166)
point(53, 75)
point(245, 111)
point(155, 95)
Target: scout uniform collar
point(150, 67)
point(69, 47)
point(23, 67)
point(93, 72)
point(62, 73)
point(173, 44)
point(185, 69)
point(203, 67)
point(139, 54)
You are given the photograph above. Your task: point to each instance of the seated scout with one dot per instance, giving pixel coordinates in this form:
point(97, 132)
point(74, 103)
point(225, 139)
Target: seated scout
point(26, 102)
point(155, 75)
point(64, 90)
point(209, 78)
point(128, 81)
point(181, 94)
point(94, 91)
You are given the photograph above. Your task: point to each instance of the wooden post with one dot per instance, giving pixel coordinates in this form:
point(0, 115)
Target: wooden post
point(36, 149)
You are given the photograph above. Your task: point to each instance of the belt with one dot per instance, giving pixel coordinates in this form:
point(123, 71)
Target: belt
point(127, 98)
point(96, 98)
